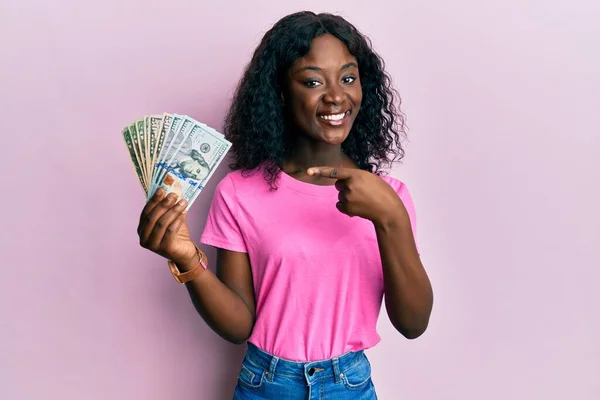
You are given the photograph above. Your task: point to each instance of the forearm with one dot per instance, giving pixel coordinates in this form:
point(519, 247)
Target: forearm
point(220, 307)
point(408, 292)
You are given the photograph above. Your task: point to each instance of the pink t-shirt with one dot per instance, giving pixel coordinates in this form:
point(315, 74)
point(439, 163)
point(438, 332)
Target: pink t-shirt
point(317, 273)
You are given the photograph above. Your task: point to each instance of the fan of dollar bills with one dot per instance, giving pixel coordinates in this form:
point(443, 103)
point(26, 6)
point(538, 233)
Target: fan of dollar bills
point(174, 152)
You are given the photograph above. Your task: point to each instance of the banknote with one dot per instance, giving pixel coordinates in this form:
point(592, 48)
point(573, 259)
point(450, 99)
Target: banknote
point(153, 126)
point(208, 128)
point(138, 151)
point(147, 134)
point(217, 158)
point(163, 130)
point(165, 125)
point(183, 128)
point(174, 152)
point(140, 126)
point(193, 164)
point(133, 156)
point(172, 136)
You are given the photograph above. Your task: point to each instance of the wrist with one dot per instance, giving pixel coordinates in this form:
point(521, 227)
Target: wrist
point(188, 270)
point(391, 221)
point(189, 264)
point(197, 260)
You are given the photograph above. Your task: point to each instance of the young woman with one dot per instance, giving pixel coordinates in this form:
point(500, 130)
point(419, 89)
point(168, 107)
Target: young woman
point(310, 235)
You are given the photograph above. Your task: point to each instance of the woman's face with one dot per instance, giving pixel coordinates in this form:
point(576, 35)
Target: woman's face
point(324, 92)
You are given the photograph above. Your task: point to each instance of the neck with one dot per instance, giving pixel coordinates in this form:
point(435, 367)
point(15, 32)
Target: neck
point(308, 153)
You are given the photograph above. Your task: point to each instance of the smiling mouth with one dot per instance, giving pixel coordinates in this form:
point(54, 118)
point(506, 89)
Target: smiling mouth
point(334, 119)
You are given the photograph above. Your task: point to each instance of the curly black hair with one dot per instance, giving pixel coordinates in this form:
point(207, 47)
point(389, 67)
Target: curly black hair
point(255, 123)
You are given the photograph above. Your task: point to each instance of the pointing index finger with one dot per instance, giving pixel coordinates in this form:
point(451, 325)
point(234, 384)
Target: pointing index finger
point(331, 172)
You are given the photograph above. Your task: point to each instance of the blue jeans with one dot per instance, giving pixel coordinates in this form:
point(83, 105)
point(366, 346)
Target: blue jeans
point(266, 377)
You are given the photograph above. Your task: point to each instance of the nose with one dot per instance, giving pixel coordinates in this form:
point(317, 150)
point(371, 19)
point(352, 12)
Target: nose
point(334, 95)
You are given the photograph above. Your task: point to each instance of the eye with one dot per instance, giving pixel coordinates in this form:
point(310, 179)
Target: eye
point(348, 79)
point(311, 83)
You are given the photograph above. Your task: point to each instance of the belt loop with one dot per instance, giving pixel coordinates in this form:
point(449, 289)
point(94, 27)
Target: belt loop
point(272, 365)
point(336, 369)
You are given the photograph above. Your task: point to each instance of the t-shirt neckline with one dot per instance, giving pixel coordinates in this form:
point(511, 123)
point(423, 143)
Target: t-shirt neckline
point(288, 181)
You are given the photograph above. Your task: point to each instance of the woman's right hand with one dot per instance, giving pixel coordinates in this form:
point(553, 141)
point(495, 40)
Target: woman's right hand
point(163, 230)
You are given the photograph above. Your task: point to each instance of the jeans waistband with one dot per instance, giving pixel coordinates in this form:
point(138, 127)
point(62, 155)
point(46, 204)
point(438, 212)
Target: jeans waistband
point(279, 366)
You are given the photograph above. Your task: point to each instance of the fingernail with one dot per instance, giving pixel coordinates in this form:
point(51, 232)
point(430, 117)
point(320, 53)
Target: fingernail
point(159, 192)
point(183, 203)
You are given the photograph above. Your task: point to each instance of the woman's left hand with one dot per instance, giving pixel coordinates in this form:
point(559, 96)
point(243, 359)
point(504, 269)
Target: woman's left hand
point(364, 194)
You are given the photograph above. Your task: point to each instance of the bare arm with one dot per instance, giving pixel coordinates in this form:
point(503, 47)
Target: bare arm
point(225, 300)
point(408, 292)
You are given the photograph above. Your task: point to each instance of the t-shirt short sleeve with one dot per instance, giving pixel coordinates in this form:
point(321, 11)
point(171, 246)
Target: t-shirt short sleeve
point(222, 229)
point(407, 200)
point(410, 208)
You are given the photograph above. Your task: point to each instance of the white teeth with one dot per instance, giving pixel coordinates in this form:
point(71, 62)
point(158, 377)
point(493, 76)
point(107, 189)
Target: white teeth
point(333, 117)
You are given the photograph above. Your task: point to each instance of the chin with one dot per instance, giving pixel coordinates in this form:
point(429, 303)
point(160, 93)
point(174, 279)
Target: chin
point(333, 137)
point(334, 140)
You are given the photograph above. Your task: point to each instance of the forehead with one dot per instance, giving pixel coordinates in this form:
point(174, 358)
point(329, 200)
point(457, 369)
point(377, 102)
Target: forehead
point(326, 51)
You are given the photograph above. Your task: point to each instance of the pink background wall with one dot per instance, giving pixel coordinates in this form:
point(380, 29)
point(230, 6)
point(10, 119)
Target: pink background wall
point(502, 101)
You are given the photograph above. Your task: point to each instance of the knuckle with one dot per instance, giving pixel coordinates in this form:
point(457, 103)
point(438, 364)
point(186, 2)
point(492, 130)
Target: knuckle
point(170, 198)
point(165, 200)
point(172, 229)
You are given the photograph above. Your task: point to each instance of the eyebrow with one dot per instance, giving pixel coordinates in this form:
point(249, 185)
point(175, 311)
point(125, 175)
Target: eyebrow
point(318, 69)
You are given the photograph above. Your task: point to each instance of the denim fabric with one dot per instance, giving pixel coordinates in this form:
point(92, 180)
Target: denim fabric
point(266, 377)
